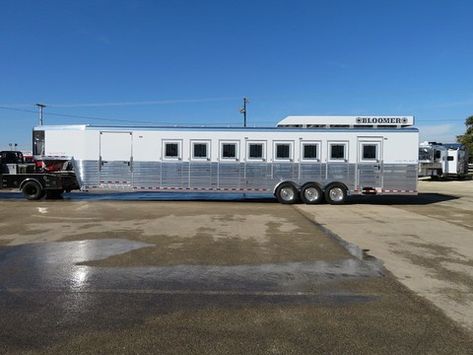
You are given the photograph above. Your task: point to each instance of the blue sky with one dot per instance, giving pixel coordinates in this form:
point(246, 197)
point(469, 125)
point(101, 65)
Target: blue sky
point(185, 62)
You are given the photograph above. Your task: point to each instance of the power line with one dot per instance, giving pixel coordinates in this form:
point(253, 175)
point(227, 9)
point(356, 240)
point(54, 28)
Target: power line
point(16, 109)
point(58, 114)
point(65, 115)
point(70, 116)
point(109, 119)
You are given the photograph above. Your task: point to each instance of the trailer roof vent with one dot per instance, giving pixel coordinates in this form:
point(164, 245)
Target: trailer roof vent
point(346, 122)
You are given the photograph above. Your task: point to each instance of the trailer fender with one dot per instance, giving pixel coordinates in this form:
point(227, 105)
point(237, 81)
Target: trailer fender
point(283, 182)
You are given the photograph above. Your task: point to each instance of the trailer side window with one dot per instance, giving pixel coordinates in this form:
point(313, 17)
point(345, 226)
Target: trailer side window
point(309, 151)
point(337, 151)
point(199, 151)
point(369, 152)
point(171, 150)
point(229, 150)
point(283, 151)
point(255, 150)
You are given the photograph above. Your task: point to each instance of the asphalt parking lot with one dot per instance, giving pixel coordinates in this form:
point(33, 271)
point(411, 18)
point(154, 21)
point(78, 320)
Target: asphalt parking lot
point(92, 274)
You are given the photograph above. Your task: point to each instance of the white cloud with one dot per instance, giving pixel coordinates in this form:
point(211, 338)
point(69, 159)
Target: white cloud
point(442, 133)
point(458, 103)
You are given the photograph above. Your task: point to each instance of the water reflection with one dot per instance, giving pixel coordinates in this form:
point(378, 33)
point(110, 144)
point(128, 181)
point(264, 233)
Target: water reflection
point(79, 276)
point(54, 265)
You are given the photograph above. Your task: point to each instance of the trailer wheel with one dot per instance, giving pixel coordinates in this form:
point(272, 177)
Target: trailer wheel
point(311, 194)
point(336, 194)
point(32, 190)
point(287, 193)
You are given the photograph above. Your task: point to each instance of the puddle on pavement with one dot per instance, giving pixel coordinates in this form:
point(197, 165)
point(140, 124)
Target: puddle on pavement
point(52, 267)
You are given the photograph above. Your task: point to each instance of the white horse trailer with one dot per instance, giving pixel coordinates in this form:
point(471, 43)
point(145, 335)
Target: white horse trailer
point(439, 160)
point(304, 157)
point(457, 160)
point(432, 159)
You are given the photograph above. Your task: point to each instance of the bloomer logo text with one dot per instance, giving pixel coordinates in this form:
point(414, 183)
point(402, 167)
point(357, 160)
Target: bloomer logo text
point(381, 120)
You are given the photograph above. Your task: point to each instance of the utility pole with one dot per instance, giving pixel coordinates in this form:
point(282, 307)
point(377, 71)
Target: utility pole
point(41, 108)
point(243, 110)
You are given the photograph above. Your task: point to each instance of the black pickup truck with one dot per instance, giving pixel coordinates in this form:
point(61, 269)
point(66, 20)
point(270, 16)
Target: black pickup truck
point(34, 182)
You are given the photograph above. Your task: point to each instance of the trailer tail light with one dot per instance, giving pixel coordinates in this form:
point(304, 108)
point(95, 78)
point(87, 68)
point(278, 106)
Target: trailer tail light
point(369, 191)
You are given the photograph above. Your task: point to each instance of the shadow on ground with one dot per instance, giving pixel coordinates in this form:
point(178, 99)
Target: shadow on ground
point(420, 199)
point(151, 196)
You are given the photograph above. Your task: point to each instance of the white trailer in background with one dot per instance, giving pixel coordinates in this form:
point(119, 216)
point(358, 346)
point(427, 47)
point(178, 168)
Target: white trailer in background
point(439, 160)
point(304, 157)
point(432, 159)
point(457, 160)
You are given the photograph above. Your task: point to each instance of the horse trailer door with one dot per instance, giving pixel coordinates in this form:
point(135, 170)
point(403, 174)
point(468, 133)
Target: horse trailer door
point(370, 163)
point(452, 161)
point(115, 163)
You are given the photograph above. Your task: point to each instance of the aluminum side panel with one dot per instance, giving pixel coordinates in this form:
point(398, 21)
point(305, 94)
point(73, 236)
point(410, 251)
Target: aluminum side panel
point(236, 176)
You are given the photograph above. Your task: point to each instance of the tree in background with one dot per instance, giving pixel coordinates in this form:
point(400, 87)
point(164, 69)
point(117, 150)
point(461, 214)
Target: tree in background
point(467, 138)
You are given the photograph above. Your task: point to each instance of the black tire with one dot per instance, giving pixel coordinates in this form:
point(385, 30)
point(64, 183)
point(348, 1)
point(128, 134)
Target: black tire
point(287, 193)
point(336, 194)
point(312, 194)
point(54, 194)
point(32, 190)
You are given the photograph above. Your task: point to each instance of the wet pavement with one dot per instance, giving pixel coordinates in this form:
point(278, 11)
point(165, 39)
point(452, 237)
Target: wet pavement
point(56, 267)
point(97, 275)
point(426, 243)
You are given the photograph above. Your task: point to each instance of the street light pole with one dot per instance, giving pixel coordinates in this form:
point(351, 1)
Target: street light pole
point(243, 110)
point(41, 118)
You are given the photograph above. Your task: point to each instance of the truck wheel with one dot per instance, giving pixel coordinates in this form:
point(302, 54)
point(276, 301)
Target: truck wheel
point(311, 194)
point(287, 193)
point(336, 194)
point(32, 190)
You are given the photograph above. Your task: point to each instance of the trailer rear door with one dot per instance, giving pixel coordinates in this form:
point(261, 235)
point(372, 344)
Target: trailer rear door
point(116, 158)
point(452, 161)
